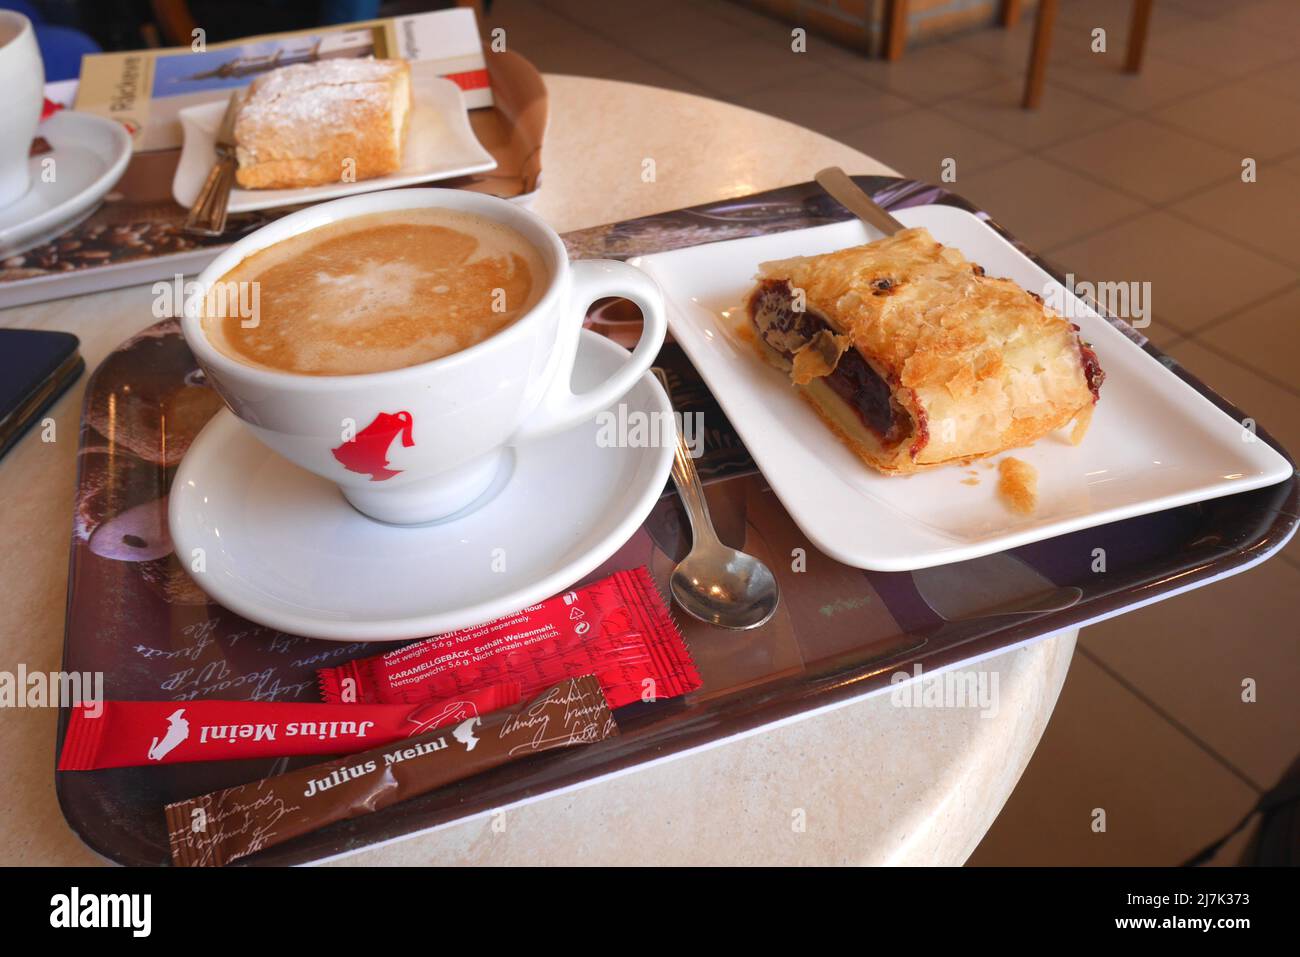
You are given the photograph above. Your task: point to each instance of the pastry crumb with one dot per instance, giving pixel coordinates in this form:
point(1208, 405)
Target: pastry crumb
point(1081, 423)
point(818, 358)
point(970, 481)
point(1018, 485)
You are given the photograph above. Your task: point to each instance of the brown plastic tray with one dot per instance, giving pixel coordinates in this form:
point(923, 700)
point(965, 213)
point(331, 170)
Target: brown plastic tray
point(134, 614)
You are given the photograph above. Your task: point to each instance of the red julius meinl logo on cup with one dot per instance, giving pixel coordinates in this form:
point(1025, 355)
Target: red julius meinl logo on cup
point(367, 453)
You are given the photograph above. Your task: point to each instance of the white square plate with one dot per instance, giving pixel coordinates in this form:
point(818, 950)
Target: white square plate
point(439, 145)
point(1154, 442)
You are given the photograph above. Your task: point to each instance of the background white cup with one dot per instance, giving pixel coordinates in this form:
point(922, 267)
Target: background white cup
point(22, 80)
point(443, 426)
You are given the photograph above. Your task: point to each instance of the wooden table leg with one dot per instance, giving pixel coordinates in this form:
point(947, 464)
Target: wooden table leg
point(1043, 21)
point(1010, 15)
point(895, 28)
point(1137, 35)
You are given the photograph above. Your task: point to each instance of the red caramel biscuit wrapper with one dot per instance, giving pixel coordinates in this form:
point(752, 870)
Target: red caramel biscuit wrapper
point(118, 734)
point(226, 825)
point(617, 629)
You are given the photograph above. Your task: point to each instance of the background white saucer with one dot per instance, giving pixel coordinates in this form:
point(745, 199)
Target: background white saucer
point(284, 549)
point(89, 156)
point(440, 144)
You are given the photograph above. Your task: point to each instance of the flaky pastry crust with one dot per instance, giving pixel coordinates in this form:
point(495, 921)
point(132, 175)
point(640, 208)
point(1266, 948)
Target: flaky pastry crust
point(326, 122)
point(978, 364)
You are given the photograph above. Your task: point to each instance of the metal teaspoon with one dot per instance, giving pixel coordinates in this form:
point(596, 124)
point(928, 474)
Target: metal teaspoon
point(715, 583)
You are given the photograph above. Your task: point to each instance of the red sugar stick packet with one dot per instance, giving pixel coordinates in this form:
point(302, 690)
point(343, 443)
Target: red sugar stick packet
point(118, 734)
point(617, 628)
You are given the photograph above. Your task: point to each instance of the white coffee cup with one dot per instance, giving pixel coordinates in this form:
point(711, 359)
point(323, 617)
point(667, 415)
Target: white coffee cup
point(432, 436)
point(22, 78)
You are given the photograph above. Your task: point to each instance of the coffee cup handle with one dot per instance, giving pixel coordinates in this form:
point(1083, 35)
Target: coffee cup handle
point(593, 279)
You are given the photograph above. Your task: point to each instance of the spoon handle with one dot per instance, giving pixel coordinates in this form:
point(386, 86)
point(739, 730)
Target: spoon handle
point(687, 479)
point(836, 182)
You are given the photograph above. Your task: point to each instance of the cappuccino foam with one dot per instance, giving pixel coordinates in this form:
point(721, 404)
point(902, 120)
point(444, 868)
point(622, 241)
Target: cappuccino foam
point(377, 292)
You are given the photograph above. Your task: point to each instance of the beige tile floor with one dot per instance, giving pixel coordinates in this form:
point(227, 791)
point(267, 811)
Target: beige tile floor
point(1116, 177)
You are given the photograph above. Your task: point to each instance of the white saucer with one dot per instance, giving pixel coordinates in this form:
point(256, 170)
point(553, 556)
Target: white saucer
point(440, 144)
point(284, 549)
point(90, 154)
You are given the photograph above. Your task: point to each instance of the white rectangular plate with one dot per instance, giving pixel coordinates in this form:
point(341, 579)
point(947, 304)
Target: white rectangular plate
point(1154, 442)
point(439, 145)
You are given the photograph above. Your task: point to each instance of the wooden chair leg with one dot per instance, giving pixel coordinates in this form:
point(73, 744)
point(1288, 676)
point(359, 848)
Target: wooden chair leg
point(1010, 14)
point(1137, 35)
point(1043, 21)
point(175, 21)
point(895, 29)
